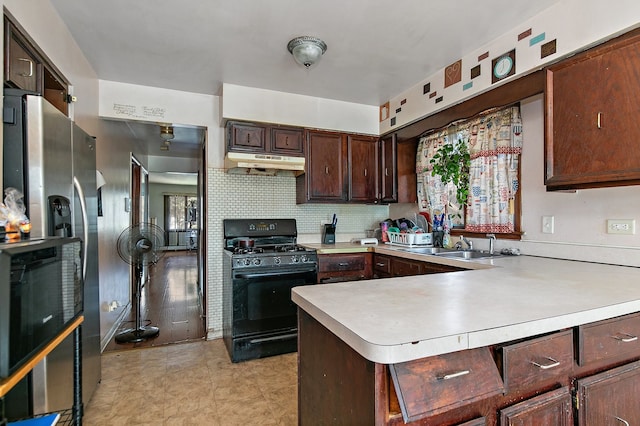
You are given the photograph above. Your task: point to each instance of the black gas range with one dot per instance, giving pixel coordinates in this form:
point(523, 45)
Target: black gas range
point(262, 264)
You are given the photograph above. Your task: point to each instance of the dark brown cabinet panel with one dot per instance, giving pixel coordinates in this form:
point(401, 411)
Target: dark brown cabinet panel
point(344, 267)
point(21, 70)
point(592, 104)
point(260, 138)
point(381, 266)
point(324, 180)
point(363, 168)
point(549, 409)
point(287, 141)
point(388, 170)
point(246, 137)
point(609, 339)
point(610, 398)
point(405, 267)
point(406, 165)
point(26, 68)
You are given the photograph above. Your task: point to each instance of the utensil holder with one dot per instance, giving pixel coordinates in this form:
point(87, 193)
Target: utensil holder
point(328, 234)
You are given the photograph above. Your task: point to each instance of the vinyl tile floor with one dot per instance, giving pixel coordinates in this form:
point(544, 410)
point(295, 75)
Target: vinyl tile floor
point(193, 384)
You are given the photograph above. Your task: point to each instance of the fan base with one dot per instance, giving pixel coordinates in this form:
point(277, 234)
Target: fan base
point(137, 335)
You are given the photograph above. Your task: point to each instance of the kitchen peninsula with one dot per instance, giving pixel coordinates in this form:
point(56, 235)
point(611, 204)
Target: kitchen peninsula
point(460, 346)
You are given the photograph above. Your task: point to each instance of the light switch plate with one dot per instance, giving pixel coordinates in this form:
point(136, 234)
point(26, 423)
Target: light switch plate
point(621, 226)
point(547, 224)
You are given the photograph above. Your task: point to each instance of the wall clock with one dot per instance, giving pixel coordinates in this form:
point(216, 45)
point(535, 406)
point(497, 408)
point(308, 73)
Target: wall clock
point(503, 66)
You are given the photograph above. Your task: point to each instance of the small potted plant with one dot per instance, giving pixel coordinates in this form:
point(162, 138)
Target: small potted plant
point(451, 162)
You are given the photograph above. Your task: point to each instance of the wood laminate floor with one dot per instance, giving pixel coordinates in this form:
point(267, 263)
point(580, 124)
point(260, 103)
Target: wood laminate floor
point(170, 302)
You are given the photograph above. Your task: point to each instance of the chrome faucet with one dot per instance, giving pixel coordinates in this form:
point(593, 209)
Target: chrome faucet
point(469, 243)
point(492, 239)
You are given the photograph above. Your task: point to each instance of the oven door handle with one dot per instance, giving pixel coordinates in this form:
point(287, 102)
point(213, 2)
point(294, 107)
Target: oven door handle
point(272, 274)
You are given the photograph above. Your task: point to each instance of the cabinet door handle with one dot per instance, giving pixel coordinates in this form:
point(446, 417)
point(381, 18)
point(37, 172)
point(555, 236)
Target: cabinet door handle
point(621, 420)
point(386, 171)
point(365, 172)
point(599, 120)
point(624, 337)
point(326, 170)
point(30, 67)
point(553, 363)
point(453, 375)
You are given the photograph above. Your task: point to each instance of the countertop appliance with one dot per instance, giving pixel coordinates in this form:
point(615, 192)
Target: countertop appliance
point(53, 163)
point(262, 263)
point(40, 293)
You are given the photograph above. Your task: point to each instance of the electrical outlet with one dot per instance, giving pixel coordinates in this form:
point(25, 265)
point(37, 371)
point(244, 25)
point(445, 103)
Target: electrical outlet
point(621, 226)
point(547, 224)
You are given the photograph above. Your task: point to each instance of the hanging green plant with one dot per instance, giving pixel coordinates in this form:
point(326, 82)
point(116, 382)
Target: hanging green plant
point(451, 162)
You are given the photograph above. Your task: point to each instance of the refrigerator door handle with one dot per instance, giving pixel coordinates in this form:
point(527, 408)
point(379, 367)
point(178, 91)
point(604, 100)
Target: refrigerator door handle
point(85, 226)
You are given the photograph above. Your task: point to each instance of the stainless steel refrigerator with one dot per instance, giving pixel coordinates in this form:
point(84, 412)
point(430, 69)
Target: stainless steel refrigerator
point(53, 163)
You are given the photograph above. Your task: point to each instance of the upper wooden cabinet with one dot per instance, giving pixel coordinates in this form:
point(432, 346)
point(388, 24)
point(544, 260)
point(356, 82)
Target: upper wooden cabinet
point(26, 68)
point(363, 168)
point(388, 170)
point(262, 138)
point(592, 102)
point(326, 168)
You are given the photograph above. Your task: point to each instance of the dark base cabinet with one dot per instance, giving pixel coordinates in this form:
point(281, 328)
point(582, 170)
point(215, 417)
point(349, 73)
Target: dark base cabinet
point(611, 397)
point(535, 381)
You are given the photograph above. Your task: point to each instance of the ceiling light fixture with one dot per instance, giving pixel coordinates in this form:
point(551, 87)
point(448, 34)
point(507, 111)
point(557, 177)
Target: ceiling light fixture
point(166, 132)
point(307, 50)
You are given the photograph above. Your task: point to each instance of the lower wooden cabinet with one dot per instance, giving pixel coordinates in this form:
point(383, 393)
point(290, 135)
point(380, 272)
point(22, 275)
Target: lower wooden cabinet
point(334, 268)
point(549, 409)
point(338, 386)
point(611, 397)
point(391, 266)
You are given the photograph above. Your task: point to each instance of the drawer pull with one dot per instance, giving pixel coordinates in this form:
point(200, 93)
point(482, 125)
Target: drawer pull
point(623, 421)
point(554, 363)
point(380, 264)
point(30, 67)
point(343, 264)
point(624, 337)
point(454, 375)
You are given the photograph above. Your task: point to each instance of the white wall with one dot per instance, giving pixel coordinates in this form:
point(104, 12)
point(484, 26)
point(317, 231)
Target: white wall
point(252, 104)
point(574, 24)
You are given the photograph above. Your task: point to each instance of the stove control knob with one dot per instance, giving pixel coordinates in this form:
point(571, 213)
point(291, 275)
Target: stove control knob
point(294, 259)
point(277, 260)
point(257, 261)
point(303, 258)
point(247, 262)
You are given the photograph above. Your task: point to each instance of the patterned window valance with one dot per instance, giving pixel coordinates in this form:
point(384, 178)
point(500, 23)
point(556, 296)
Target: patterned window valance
point(494, 140)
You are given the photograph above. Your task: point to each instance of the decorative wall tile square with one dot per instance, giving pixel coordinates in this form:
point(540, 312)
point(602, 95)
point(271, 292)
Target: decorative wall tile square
point(537, 39)
point(524, 34)
point(433, 95)
point(438, 100)
point(484, 56)
point(426, 88)
point(475, 71)
point(548, 49)
point(453, 73)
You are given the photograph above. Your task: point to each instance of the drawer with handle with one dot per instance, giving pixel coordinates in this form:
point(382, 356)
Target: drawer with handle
point(533, 362)
point(382, 264)
point(343, 262)
point(609, 339)
point(441, 383)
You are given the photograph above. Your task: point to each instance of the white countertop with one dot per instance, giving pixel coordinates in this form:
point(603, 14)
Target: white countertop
point(400, 319)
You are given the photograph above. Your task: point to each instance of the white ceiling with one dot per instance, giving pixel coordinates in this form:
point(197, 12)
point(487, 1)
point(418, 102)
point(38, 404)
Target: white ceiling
point(376, 49)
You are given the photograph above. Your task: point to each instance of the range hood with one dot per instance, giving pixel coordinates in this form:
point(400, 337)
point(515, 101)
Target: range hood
point(263, 164)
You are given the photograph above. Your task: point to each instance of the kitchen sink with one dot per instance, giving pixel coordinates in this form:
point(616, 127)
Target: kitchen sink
point(468, 254)
point(428, 250)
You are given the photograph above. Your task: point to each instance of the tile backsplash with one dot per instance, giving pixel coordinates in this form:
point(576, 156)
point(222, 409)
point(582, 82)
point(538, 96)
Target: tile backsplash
point(250, 196)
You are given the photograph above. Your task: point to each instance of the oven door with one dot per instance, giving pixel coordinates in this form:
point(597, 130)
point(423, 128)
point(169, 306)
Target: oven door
point(262, 300)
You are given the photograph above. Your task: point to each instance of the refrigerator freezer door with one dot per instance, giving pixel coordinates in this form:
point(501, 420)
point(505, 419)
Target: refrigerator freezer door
point(48, 161)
